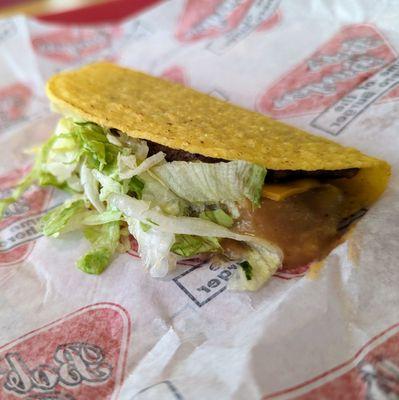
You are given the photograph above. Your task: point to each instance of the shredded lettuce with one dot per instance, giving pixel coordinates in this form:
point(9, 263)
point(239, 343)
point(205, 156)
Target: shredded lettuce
point(36, 175)
point(213, 183)
point(56, 220)
point(146, 165)
point(95, 218)
point(16, 193)
point(157, 194)
point(136, 187)
point(64, 125)
point(73, 182)
point(105, 240)
point(126, 164)
point(108, 185)
point(264, 257)
point(247, 267)
point(154, 247)
point(114, 140)
point(173, 209)
point(217, 216)
point(189, 245)
point(95, 146)
point(62, 157)
point(90, 187)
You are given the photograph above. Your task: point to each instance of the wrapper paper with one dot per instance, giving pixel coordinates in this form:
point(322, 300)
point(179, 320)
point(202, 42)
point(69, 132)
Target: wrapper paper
point(330, 67)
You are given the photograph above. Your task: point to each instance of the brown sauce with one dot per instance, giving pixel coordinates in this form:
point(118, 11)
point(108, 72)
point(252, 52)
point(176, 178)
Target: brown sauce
point(304, 226)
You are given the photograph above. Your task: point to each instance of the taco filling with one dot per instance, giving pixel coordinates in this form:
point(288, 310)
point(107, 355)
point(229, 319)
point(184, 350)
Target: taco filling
point(302, 212)
point(179, 204)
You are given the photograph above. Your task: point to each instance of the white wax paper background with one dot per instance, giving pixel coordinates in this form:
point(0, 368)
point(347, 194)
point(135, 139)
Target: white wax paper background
point(238, 345)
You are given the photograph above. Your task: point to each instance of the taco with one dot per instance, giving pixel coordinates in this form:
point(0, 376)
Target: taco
point(187, 174)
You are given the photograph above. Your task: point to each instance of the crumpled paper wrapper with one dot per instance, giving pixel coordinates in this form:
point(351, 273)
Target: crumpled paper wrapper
point(330, 67)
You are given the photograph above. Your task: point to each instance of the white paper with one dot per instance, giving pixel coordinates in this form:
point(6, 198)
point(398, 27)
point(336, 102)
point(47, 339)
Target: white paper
point(124, 335)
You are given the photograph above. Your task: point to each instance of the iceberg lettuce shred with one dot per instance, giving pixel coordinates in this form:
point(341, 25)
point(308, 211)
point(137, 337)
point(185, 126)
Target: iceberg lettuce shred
point(105, 240)
point(173, 209)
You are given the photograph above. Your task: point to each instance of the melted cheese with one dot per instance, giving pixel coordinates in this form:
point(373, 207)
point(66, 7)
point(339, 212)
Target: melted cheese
point(279, 192)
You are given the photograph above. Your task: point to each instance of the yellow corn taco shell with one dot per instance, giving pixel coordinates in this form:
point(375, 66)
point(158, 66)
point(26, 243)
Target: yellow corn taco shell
point(170, 114)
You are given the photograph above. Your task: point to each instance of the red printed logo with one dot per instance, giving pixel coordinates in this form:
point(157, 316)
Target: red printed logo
point(19, 226)
point(290, 273)
point(372, 374)
point(14, 100)
point(175, 74)
point(71, 45)
point(353, 55)
point(81, 356)
point(234, 19)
